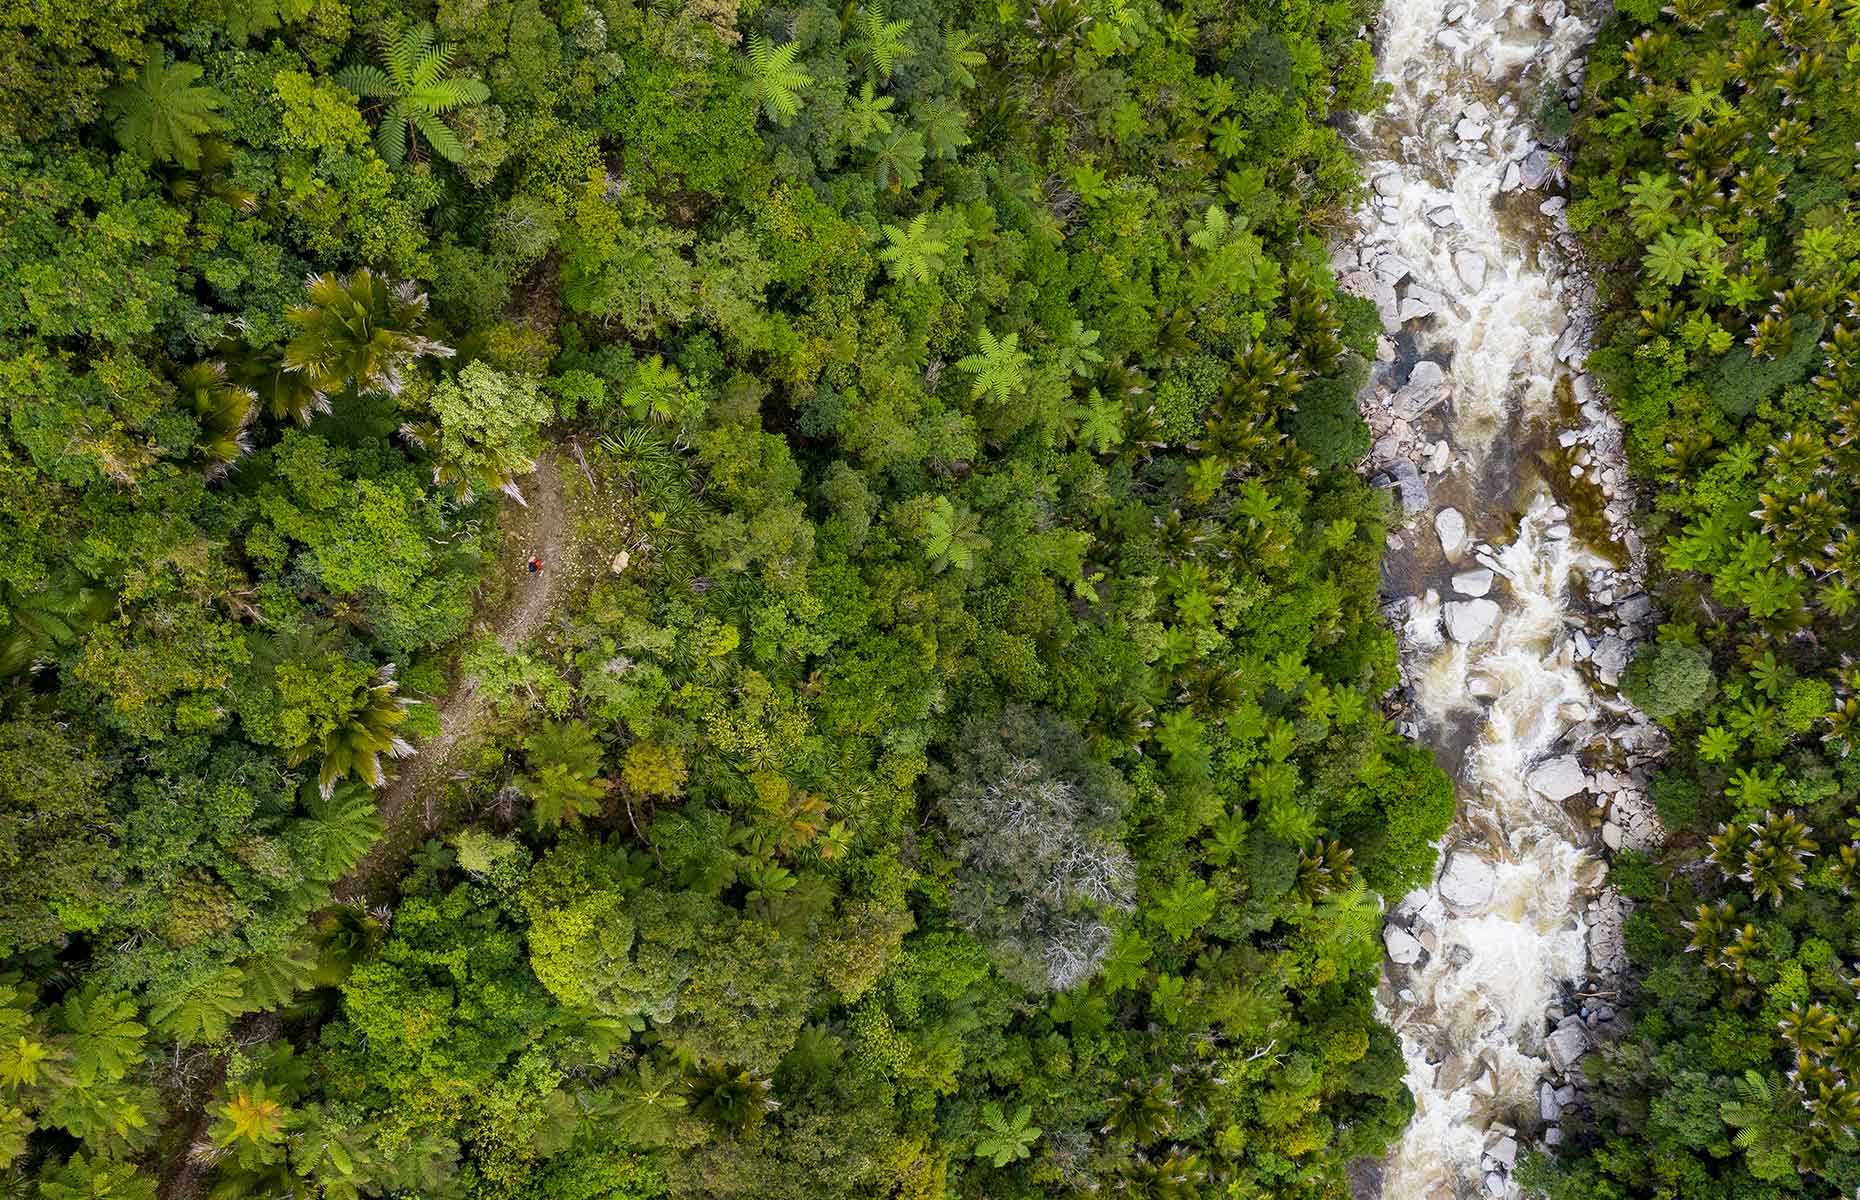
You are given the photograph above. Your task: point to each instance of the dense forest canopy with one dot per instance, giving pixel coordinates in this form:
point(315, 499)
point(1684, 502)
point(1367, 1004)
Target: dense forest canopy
point(1716, 177)
point(940, 753)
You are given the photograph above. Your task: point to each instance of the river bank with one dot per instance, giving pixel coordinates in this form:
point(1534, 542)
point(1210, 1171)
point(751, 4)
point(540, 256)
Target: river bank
point(1513, 581)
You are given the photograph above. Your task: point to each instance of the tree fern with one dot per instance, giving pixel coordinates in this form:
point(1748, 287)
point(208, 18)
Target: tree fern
point(342, 827)
point(202, 1009)
point(775, 82)
point(161, 114)
point(417, 89)
point(952, 536)
point(1006, 1140)
point(880, 43)
point(1762, 1115)
point(272, 980)
point(912, 251)
point(561, 784)
point(1000, 368)
point(106, 1038)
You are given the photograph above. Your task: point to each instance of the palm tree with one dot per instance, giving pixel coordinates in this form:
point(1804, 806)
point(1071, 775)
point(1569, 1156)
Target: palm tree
point(222, 409)
point(418, 91)
point(161, 114)
point(355, 744)
point(283, 393)
point(359, 331)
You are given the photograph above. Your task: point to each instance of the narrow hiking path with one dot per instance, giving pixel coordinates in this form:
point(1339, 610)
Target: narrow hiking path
point(541, 528)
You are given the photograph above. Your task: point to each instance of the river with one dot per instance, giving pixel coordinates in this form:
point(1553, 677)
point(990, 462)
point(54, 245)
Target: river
point(1514, 583)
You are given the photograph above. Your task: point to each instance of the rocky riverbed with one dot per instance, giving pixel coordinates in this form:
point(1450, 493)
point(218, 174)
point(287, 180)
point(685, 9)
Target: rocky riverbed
point(1513, 580)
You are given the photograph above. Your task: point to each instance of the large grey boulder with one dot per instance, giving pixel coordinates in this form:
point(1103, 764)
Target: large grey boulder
point(1469, 621)
point(1558, 779)
point(1467, 882)
point(1451, 526)
point(1402, 946)
point(1566, 1045)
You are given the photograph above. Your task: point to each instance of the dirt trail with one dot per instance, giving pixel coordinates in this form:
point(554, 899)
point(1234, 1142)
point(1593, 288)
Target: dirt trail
point(542, 528)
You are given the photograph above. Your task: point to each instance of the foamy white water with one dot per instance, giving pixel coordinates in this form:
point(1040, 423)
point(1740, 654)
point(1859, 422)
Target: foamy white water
point(1456, 250)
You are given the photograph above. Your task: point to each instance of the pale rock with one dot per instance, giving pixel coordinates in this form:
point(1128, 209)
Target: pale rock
point(1558, 779)
point(1470, 265)
point(1454, 13)
point(620, 562)
point(1481, 686)
point(1553, 1136)
point(1553, 205)
point(1634, 609)
point(1567, 438)
point(1513, 179)
point(1469, 130)
point(1388, 184)
point(1392, 267)
point(1566, 1045)
point(1547, 1107)
point(1611, 835)
point(1467, 882)
point(1418, 301)
point(1469, 621)
point(1451, 526)
point(1426, 373)
point(1566, 1095)
point(1534, 169)
point(1385, 347)
point(1494, 1184)
point(1558, 532)
point(1611, 658)
point(1505, 1152)
point(1476, 582)
point(1451, 40)
point(1402, 946)
point(1439, 458)
point(1443, 217)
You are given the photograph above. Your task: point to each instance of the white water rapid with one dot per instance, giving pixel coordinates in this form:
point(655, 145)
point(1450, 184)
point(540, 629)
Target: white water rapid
point(1520, 578)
